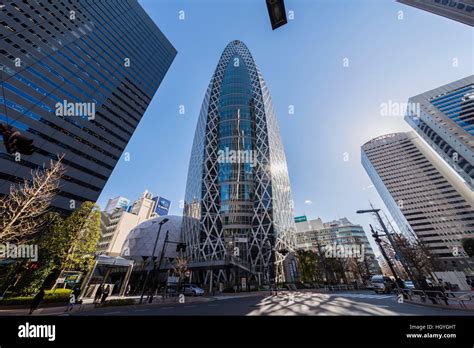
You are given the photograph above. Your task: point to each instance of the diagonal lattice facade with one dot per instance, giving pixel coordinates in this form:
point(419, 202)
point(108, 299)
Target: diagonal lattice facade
point(238, 213)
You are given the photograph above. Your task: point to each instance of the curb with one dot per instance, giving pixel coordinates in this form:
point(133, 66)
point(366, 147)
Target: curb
point(438, 306)
point(43, 305)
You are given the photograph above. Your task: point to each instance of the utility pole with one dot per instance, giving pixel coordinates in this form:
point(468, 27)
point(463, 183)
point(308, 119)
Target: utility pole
point(159, 265)
point(384, 254)
point(395, 247)
point(392, 242)
point(152, 256)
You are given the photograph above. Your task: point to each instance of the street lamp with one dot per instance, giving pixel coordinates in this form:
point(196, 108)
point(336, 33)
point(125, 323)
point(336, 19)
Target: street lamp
point(161, 223)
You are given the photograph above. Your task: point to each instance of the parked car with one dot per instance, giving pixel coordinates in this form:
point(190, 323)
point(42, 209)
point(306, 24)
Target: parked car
point(369, 285)
point(382, 284)
point(193, 290)
point(409, 284)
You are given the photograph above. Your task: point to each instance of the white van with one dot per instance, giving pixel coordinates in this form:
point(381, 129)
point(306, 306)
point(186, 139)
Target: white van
point(382, 283)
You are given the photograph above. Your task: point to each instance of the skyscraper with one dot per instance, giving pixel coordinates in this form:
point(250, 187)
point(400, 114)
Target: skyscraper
point(444, 118)
point(238, 214)
point(458, 10)
point(76, 76)
point(423, 195)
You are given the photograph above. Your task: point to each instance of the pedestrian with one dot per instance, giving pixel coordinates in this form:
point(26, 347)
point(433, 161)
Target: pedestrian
point(98, 294)
point(116, 288)
point(105, 294)
point(37, 300)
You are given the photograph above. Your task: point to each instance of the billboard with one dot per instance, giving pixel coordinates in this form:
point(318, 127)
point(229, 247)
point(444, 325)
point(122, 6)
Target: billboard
point(162, 205)
point(117, 202)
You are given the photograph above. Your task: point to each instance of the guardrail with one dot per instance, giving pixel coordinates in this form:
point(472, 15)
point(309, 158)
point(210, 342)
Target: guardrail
point(437, 297)
point(339, 287)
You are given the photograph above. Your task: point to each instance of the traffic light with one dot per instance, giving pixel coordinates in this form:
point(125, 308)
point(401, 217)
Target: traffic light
point(277, 12)
point(15, 142)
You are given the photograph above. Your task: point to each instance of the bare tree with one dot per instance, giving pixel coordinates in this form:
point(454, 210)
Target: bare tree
point(420, 259)
point(23, 210)
point(180, 267)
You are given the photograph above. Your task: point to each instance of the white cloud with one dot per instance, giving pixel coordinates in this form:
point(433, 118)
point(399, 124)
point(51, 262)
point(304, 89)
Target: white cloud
point(308, 201)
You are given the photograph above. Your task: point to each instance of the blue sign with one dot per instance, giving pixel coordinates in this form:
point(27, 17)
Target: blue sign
point(162, 206)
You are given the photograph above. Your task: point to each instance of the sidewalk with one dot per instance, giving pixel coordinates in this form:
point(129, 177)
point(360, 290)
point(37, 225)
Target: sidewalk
point(88, 304)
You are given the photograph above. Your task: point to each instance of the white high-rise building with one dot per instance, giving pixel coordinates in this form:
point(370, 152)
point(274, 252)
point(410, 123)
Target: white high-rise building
point(423, 195)
point(317, 235)
point(117, 224)
point(311, 233)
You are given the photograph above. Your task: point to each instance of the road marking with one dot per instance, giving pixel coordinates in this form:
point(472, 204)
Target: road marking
point(167, 307)
point(58, 313)
point(190, 306)
point(108, 313)
point(376, 297)
point(142, 310)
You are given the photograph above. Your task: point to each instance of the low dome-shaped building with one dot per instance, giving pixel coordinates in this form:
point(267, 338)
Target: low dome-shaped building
point(139, 243)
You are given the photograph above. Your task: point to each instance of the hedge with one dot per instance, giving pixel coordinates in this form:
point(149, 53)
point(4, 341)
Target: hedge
point(60, 295)
point(119, 302)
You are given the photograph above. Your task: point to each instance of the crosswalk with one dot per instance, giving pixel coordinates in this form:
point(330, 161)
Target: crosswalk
point(299, 297)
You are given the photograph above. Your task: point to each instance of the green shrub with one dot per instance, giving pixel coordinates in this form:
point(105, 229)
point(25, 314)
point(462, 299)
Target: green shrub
point(119, 302)
point(18, 300)
point(60, 295)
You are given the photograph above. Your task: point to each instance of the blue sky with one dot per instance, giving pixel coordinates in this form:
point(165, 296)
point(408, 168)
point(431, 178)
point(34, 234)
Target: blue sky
point(337, 108)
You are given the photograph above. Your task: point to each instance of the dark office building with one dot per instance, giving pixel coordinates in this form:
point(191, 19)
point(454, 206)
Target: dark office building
point(458, 10)
point(76, 76)
point(444, 118)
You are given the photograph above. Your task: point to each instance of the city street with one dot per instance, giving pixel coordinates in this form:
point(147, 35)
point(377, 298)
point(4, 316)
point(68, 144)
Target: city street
point(286, 303)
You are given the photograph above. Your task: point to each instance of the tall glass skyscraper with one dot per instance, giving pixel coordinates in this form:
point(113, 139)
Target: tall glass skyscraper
point(238, 213)
point(76, 77)
point(444, 118)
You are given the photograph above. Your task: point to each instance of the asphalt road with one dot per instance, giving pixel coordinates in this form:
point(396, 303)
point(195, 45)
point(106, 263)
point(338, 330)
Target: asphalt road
point(286, 303)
